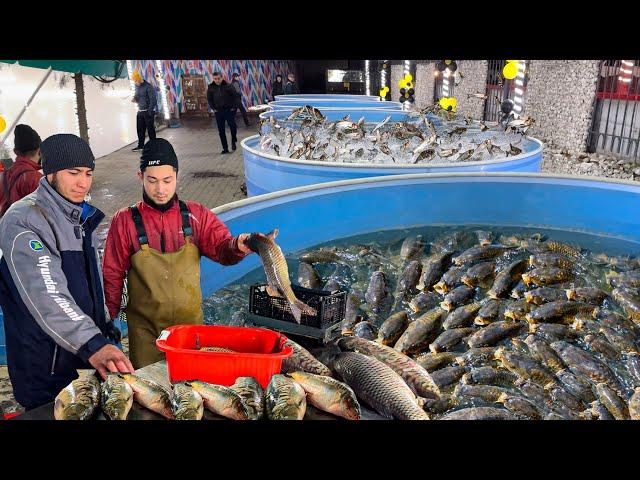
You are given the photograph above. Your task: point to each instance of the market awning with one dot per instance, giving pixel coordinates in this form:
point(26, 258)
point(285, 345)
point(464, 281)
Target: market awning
point(98, 68)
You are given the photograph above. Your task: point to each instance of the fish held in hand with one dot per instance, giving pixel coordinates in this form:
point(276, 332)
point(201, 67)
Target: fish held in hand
point(277, 271)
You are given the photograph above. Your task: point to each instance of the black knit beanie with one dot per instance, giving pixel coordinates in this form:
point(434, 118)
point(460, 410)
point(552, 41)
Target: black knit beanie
point(158, 152)
point(26, 139)
point(63, 151)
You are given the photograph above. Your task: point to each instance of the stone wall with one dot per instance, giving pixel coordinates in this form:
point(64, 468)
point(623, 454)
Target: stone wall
point(424, 84)
point(397, 72)
point(474, 81)
point(559, 97)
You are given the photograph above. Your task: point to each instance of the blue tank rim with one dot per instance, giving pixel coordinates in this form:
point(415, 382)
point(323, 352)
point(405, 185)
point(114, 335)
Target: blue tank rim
point(480, 163)
point(346, 110)
point(251, 204)
point(294, 96)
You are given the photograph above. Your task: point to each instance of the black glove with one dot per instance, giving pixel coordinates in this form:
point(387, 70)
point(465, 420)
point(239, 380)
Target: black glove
point(112, 332)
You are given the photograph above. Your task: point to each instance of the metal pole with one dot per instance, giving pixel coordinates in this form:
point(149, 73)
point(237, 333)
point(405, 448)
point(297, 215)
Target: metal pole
point(24, 109)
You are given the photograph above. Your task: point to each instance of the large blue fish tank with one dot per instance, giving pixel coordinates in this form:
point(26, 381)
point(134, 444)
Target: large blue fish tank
point(311, 215)
point(334, 103)
point(316, 214)
point(267, 173)
point(320, 96)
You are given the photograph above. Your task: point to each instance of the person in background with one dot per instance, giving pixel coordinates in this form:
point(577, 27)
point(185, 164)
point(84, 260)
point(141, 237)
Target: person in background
point(277, 88)
point(146, 99)
point(23, 176)
point(235, 82)
point(291, 88)
point(51, 290)
point(222, 100)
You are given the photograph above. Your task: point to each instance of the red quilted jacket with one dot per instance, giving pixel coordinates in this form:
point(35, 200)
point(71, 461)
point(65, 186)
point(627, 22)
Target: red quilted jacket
point(22, 179)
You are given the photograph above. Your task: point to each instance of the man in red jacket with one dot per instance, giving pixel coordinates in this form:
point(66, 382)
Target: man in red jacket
point(23, 176)
point(158, 243)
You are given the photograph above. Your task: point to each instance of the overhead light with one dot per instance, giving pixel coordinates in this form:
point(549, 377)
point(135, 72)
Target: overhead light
point(366, 77)
point(131, 82)
point(163, 91)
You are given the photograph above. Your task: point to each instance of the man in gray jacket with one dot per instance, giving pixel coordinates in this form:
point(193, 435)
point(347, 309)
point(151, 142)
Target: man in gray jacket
point(51, 289)
point(146, 99)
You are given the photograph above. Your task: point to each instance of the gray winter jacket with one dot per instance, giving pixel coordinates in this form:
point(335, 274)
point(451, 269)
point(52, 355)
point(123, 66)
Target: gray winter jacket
point(50, 291)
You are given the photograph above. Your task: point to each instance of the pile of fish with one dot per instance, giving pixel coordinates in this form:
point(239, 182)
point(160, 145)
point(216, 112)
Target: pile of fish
point(476, 325)
point(285, 398)
point(306, 134)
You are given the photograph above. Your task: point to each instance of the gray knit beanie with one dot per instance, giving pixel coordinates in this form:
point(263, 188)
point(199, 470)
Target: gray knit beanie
point(63, 151)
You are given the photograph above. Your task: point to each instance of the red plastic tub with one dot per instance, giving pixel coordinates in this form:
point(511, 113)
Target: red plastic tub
point(258, 353)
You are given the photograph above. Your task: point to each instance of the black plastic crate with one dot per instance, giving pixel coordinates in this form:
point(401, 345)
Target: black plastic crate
point(330, 306)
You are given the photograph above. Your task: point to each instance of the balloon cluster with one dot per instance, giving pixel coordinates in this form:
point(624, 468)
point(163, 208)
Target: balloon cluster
point(406, 89)
point(510, 70)
point(383, 92)
point(448, 103)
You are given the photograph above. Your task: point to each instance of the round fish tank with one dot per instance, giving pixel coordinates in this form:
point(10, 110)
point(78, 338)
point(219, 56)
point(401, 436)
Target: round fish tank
point(370, 115)
point(320, 96)
point(312, 215)
point(333, 103)
point(266, 173)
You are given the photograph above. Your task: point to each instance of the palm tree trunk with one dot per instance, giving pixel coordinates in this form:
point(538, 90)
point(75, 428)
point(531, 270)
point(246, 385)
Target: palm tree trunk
point(82, 110)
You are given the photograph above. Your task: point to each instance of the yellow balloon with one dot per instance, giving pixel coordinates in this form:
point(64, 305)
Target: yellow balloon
point(402, 83)
point(3, 124)
point(408, 78)
point(448, 103)
point(409, 84)
point(510, 71)
point(386, 89)
point(383, 93)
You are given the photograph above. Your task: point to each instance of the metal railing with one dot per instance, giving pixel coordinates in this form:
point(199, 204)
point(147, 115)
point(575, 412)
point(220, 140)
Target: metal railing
point(616, 116)
point(499, 89)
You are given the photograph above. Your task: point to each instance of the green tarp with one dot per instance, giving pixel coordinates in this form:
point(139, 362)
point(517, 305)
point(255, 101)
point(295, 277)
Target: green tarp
point(99, 68)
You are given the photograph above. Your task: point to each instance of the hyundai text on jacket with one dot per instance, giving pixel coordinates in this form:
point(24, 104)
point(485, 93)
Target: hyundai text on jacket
point(50, 293)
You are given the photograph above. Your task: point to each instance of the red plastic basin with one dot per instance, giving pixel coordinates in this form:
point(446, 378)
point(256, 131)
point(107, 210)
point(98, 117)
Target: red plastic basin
point(258, 353)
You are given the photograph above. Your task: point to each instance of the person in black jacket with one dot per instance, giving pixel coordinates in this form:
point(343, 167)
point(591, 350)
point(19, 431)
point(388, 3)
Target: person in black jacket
point(222, 100)
point(278, 87)
point(235, 82)
point(291, 88)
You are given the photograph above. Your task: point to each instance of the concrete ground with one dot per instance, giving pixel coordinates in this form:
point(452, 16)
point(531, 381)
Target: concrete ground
point(205, 176)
